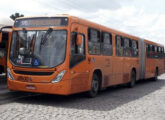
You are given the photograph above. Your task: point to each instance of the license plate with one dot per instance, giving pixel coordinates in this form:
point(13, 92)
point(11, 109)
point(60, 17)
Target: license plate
point(24, 79)
point(31, 87)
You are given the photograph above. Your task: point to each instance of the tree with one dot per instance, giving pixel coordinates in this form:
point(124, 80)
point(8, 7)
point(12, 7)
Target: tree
point(16, 15)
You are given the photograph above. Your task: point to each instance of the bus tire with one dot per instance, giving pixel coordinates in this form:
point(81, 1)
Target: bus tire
point(132, 83)
point(156, 75)
point(94, 86)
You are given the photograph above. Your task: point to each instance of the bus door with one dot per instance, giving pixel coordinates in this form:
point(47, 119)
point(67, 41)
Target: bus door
point(128, 60)
point(79, 68)
point(118, 61)
point(107, 52)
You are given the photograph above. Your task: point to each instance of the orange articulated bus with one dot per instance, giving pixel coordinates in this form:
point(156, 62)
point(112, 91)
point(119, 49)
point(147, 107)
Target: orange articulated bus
point(66, 55)
point(3, 49)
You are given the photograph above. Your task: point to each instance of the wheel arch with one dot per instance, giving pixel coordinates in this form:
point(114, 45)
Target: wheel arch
point(134, 69)
point(100, 75)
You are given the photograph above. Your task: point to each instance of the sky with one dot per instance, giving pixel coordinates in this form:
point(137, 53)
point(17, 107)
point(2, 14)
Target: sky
point(142, 18)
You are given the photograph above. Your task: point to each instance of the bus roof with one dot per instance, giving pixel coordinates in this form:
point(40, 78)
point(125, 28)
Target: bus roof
point(92, 24)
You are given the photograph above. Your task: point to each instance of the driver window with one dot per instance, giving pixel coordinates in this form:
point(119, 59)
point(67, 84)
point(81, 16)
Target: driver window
point(77, 51)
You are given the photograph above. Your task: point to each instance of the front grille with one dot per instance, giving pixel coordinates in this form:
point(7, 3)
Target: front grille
point(33, 73)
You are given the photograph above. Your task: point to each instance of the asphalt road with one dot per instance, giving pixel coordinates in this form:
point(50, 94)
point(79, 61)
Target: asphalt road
point(146, 101)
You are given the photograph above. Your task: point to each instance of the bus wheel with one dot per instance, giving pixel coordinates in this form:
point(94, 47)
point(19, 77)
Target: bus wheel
point(156, 75)
point(131, 84)
point(94, 86)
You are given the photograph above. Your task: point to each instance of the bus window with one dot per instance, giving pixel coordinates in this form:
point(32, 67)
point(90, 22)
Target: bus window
point(37, 45)
point(77, 52)
point(159, 49)
point(155, 52)
point(93, 41)
point(107, 44)
point(127, 50)
point(119, 46)
point(134, 48)
point(163, 50)
point(155, 48)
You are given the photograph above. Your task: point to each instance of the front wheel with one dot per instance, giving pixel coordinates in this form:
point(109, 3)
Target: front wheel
point(94, 86)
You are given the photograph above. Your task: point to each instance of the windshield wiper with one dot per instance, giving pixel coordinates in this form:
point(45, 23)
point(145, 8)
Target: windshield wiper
point(43, 41)
point(24, 33)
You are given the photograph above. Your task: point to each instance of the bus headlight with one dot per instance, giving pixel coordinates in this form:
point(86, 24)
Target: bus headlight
point(59, 77)
point(9, 74)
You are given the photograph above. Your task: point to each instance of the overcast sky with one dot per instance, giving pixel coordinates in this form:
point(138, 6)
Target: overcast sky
point(143, 18)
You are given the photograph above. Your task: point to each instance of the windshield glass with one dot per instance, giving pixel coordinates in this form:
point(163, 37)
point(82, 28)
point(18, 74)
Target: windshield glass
point(44, 49)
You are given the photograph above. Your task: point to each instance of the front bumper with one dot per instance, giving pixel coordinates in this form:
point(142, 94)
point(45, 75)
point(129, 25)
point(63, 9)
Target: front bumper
point(61, 88)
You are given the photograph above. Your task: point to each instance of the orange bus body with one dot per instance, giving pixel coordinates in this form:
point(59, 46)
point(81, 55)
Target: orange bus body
point(112, 69)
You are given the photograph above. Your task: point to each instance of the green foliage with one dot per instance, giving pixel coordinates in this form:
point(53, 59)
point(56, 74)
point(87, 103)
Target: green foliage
point(16, 15)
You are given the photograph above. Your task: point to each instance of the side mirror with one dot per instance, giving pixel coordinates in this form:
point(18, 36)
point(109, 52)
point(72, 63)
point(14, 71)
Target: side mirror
point(0, 37)
point(79, 40)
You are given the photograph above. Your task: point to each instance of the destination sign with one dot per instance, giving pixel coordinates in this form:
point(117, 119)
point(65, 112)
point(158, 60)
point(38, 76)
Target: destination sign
point(41, 22)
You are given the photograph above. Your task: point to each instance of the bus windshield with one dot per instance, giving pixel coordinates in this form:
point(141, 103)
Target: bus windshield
point(41, 49)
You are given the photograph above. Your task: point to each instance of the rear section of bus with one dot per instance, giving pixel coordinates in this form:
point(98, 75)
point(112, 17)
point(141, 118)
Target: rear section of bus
point(39, 55)
point(154, 59)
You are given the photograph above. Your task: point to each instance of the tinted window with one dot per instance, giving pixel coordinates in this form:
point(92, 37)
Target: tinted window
point(93, 41)
point(107, 43)
point(127, 48)
point(134, 48)
point(154, 51)
point(77, 52)
point(119, 46)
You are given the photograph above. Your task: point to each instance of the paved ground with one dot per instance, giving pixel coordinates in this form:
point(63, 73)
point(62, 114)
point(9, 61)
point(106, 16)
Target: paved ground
point(144, 102)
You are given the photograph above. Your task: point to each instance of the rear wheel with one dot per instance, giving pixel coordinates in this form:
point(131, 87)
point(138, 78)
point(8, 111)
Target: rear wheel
point(132, 83)
point(156, 75)
point(94, 86)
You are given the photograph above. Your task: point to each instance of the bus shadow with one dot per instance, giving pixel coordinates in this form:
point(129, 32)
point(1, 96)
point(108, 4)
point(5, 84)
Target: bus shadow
point(107, 100)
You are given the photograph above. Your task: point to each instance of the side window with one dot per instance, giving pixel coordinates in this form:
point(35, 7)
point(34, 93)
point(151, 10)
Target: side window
point(163, 50)
point(127, 48)
point(134, 48)
point(155, 49)
point(77, 51)
point(155, 52)
point(147, 49)
point(93, 41)
point(107, 43)
point(151, 51)
point(159, 49)
point(119, 46)
point(150, 48)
